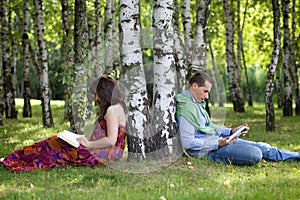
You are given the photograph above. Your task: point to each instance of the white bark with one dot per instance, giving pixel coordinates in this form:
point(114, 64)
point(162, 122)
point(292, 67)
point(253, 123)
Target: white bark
point(26, 68)
point(10, 110)
point(270, 113)
point(134, 76)
point(43, 61)
point(164, 72)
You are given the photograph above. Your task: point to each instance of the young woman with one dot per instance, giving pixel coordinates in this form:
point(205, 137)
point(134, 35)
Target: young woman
point(106, 144)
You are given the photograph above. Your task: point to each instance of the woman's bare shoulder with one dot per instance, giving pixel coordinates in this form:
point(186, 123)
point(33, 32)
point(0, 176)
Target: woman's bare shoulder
point(117, 111)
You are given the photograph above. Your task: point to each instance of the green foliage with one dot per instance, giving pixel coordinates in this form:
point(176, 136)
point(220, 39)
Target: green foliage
point(187, 178)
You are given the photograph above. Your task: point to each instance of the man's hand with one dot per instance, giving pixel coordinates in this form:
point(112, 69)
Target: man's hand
point(222, 142)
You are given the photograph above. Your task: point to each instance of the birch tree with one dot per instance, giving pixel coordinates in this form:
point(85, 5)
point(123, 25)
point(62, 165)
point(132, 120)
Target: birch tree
point(270, 113)
point(199, 47)
point(278, 87)
point(26, 61)
point(66, 50)
point(108, 37)
point(98, 42)
point(164, 77)
point(179, 53)
point(7, 69)
point(137, 102)
point(241, 53)
point(187, 26)
point(234, 86)
point(79, 95)
point(288, 100)
point(293, 61)
point(43, 62)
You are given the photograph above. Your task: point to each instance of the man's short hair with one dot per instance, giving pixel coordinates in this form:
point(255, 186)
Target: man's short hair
point(200, 78)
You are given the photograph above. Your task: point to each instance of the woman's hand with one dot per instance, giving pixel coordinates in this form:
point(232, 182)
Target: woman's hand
point(84, 141)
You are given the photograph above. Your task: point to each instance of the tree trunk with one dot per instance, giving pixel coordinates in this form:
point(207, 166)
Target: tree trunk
point(108, 38)
point(10, 110)
point(136, 99)
point(14, 52)
point(27, 112)
point(293, 62)
point(278, 87)
point(180, 53)
point(115, 42)
point(288, 99)
point(270, 113)
point(164, 81)
point(199, 47)
point(248, 91)
point(44, 81)
point(215, 76)
point(79, 98)
point(238, 103)
point(66, 50)
point(98, 43)
point(187, 26)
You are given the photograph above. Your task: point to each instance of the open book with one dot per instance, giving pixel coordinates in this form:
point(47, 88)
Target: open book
point(70, 137)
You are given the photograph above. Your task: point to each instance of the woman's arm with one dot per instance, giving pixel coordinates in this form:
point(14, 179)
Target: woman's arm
point(112, 132)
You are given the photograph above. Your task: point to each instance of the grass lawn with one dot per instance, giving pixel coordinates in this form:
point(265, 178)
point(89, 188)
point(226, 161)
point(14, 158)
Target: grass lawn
point(186, 178)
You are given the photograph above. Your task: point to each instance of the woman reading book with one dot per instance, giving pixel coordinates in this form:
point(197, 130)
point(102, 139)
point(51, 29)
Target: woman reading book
point(106, 144)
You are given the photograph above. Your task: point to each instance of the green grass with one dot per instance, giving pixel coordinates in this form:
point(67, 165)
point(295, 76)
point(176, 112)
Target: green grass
point(186, 178)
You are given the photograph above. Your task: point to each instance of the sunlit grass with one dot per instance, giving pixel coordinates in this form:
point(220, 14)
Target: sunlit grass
point(186, 178)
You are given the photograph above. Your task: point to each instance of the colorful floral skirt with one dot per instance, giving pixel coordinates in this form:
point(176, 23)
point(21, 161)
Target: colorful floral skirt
point(54, 152)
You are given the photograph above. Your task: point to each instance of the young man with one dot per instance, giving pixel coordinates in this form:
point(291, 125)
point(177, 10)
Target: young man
point(201, 138)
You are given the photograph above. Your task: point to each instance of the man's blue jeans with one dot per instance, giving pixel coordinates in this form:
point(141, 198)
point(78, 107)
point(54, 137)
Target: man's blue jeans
point(243, 152)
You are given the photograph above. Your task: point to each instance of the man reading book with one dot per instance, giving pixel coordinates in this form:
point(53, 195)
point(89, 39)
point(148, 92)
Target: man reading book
point(203, 139)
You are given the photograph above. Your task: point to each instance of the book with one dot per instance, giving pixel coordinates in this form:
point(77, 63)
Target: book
point(237, 133)
point(70, 137)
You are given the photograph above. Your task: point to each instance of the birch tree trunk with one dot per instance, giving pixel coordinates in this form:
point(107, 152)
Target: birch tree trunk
point(14, 49)
point(248, 91)
point(238, 104)
point(293, 61)
point(215, 76)
point(26, 68)
point(115, 42)
point(136, 99)
point(66, 51)
point(199, 47)
point(1, 91)
point(278, 88)
point(98, 42)
point(179, 53)
point(43, 61)
point(288, 99)
point(10, 110)
point(270, 113)
point(79, 98)
point(108, 38)
point(187, 26)
point(164, 81)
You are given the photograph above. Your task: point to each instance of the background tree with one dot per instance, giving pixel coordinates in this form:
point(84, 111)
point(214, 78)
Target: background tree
point(8, 71)
point(66, 52)
point(270, 113)
point(43, 66)
point(287, 100)
point(234, 85)
point(79, 98)
point(294, 71)
point(26, 60)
